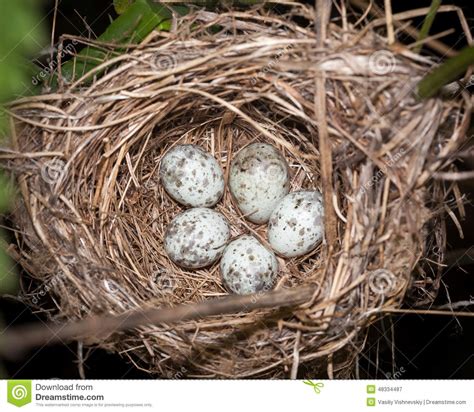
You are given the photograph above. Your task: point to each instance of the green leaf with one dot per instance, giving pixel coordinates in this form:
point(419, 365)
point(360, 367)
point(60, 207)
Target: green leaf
point(447, 72)
point(122, 5)
point(427, 23)
point(21, 34)
point(136, 22)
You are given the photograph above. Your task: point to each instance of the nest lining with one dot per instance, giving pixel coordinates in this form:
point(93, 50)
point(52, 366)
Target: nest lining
point(93, 213)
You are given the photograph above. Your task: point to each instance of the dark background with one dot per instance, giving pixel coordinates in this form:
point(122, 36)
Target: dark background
point(425, 346)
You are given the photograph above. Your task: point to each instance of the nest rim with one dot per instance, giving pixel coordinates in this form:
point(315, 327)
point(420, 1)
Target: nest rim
point(270, 106)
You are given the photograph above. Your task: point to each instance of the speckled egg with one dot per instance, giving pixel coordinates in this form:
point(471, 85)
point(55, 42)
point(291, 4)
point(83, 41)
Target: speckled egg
point(296, 225)
point(196, 238)
point(191, 176)
point(258, 180)
point(247, 266)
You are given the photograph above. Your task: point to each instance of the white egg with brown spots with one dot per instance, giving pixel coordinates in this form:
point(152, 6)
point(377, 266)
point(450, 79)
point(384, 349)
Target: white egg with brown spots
point(258, 180)
point(196, 238)
point(296, 225)
point(247, 266)
point(191, 176)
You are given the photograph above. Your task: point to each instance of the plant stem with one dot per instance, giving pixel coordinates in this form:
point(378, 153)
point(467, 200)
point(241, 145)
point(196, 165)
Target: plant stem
point(425, 29)
point(450, 70)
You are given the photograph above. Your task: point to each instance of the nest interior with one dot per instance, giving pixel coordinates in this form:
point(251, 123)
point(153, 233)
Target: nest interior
point(92, 212)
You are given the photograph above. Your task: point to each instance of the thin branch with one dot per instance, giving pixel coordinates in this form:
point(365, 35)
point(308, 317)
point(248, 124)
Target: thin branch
point(16, 341)
point(428, 312)
point(376, 11)
point(330, 222)
point(389, 17)
point(454, 176)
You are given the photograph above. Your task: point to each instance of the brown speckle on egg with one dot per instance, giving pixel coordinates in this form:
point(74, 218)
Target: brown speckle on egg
point(247, 266)
point(187, 167)
point(196, 238)
point(302, 212)
point(258, 179)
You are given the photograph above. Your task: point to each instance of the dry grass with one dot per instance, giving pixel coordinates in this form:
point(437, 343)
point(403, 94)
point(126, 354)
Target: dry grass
point(93, 213)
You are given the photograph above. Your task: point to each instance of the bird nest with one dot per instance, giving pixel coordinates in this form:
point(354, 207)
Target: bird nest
point(92, 213)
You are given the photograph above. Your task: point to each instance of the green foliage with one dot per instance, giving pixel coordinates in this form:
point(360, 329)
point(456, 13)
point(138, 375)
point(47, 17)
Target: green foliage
point(132, 26)
point(427, 23)
point(21, 36)
point(447, 72)
point(122, 5)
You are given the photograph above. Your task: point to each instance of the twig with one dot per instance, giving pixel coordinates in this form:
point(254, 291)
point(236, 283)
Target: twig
point(324, 7)
point(376, 11)
point(455, 305)
point(323, 12)
point(454, 176)
point(428, 312)
point(389, 17)
point(53, 31)
point(296, 356)
point(80, 359)
point(20, 339)
point(439, 35)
